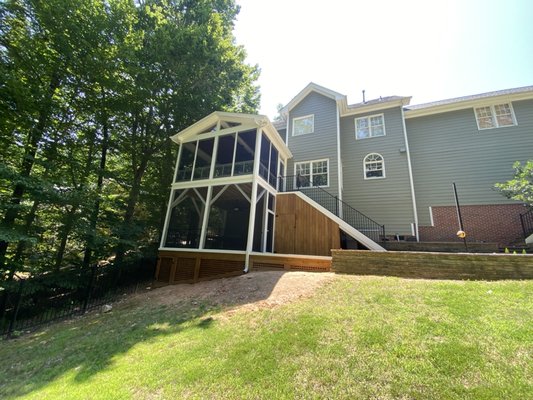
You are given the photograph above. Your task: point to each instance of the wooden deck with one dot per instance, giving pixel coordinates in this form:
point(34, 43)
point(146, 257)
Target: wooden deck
point(192, 267)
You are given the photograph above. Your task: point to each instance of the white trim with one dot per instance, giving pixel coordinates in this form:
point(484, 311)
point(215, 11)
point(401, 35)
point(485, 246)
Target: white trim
point(383, 167)
point(311, 171)
point(214, 155)
point(411, 179)
point(195, 250)
point(300, 118)
point(493, 115)
point(220, 193)
point(215, 181)
point(287, 124)
point(356, 109)
point(461, 104)
point(207, 209)
point(350, 230)
point(370, 136)
point(339, 159)
point(431, 216)
point(169, 206)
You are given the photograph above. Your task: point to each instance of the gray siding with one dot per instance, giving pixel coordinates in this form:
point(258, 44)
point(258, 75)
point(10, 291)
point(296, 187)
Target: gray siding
point(320, 144)
point(448, 148)
point(387, 201)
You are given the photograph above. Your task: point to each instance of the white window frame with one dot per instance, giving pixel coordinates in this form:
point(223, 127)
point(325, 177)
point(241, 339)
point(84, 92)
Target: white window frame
point(311, 171)
point(493, 115)
point(370, 135)
point(301, 118)
point(383, 167)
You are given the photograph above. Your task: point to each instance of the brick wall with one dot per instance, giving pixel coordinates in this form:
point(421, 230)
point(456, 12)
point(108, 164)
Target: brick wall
point(498, 223)
point(433, 265)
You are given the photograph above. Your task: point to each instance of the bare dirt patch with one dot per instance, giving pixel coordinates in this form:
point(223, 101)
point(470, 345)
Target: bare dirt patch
point(255, 290)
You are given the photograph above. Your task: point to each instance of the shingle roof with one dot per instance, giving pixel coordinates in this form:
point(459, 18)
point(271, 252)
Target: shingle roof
point(504, 92)
point(386, 99)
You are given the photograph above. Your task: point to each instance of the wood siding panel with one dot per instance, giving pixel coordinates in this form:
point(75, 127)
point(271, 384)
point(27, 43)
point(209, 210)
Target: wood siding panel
point(301, 229)
point(448, 148)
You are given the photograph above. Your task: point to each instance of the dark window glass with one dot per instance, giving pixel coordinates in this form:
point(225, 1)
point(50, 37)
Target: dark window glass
point(224, 155)
point(185, 225)
point(229, 215)
point(186, 162)
point(244, 156)
point(203, 159)
point(265, 157)
point(273, 166)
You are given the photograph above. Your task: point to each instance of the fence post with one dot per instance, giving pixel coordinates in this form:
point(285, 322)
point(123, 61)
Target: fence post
point(336, 206)
point(89, 289)
point(16, 310)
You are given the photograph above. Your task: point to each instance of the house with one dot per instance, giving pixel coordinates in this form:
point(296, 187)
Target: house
point(338, 175)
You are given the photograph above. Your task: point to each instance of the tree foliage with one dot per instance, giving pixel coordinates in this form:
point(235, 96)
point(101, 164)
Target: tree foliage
point(90, 92)
point(521, 186)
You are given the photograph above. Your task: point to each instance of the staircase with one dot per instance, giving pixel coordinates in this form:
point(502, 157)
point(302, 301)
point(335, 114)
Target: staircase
point(333, 204)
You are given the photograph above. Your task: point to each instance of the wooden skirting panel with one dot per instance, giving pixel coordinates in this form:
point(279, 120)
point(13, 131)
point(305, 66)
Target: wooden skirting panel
point(190, 267)
point(302, 229)
point(433, 265)
point(290, 262)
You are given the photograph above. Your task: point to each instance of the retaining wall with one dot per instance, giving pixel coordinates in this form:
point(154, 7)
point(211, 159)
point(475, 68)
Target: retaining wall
point(433, 265)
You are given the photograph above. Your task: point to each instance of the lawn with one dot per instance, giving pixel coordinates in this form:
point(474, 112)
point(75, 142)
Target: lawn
point(354, 338)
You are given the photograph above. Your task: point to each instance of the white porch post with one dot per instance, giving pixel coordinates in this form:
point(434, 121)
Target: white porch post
point(169, 206)
point(253, 200)
point(207, 207)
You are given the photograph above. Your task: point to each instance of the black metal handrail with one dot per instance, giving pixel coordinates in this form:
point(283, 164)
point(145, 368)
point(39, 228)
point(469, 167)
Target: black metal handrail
point(527, 223)
point(341, 209)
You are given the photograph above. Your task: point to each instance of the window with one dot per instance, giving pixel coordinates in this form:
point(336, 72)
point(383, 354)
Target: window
point(494, 116)
point(371, 126)
point(312, 173)
point(374, 166)
point(303, 125)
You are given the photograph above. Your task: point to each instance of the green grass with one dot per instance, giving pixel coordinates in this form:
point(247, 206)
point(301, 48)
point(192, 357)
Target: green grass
point(356, 338)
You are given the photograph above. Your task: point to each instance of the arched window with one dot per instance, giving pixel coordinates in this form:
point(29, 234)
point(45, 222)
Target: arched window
point(374, 166)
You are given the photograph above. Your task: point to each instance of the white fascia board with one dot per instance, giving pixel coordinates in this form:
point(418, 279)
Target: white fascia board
point(215, 117)
point(227, 180)
point(312, 87)
point(464, 104)
point(348, 229)
point(347, 110)
point(191, 250)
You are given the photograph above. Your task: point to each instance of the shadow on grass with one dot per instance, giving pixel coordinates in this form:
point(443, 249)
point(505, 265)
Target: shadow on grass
point(87, 345)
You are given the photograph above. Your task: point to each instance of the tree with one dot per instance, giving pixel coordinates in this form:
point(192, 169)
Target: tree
point(521, 186)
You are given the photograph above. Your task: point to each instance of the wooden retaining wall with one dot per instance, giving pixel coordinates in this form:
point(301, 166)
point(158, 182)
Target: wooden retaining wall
point(433, 265)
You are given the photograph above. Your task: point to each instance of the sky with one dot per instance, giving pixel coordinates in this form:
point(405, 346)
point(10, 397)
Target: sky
point(430, 50)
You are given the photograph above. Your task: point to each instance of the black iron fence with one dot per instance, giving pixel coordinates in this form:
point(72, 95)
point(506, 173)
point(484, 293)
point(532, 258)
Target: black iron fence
point(527, 223)
point(347, 213)
point(27, 303)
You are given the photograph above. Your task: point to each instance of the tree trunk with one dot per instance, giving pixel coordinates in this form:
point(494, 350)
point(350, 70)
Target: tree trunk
point(28, 161)
point(133, 198)
point(89, 248)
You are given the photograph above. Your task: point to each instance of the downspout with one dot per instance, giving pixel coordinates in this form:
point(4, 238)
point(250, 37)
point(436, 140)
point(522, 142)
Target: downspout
point(410, 169)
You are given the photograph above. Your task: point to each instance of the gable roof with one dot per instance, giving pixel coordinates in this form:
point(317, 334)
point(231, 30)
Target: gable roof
point(219, 118)
point(312, 87)
point(458, 103)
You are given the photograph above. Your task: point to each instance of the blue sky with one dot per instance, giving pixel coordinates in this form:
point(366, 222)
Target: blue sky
point(430, 50)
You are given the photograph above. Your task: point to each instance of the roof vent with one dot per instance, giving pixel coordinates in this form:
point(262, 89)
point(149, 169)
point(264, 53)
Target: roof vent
point(364, 101)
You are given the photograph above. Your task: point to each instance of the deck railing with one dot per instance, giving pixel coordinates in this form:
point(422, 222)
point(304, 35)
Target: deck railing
point(341, 209)
point(527, 223)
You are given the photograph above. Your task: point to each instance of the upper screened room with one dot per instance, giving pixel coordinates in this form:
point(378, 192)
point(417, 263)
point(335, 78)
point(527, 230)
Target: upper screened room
point(230, 146)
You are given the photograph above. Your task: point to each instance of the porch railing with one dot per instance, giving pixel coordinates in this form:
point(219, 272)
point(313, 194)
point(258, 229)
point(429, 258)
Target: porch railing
point(527, 223)
point(341, 209)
